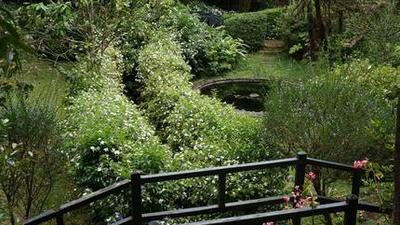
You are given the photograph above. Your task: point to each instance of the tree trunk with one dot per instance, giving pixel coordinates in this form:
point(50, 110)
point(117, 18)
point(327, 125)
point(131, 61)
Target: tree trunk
point(341, 22)
point(311, 36)
point(320, 25)
point(396, 202)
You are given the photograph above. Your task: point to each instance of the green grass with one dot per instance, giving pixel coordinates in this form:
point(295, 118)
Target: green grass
point(45, 78)
point(272, 66)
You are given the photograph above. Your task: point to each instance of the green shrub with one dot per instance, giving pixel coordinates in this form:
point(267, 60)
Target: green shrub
point(379, 80)
point(254, 27)
point(380, 34)
point(201, 131)
point(30, 156)
point(331, 118)
point(106, 132)
point(209, 51)
point(294, 33)
point(53, 29)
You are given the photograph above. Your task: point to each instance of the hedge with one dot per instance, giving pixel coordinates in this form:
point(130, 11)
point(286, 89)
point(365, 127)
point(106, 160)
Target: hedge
point(107, 137)
point(201, 131)
point(254, 27)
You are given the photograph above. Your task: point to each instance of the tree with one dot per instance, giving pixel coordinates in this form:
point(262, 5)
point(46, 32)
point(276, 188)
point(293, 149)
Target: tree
point(396, 200)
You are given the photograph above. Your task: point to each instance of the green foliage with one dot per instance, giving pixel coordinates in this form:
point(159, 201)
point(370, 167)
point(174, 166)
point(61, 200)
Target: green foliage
point(29, 152)
point(53, 29)
point(379, 80)
point(208, 50)
point(106, 133)
point(254, 27)
point(294, 32)
point(331, 118)
point(381, 34)
point(11, 44)
point(200, 130)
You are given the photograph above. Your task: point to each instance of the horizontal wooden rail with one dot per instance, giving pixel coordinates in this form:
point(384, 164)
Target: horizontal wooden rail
point(361, 205)
point(333, 165)
point(260, 218)
point(217, 170)
point(75, 204)
point(138, 180)
point(231, 206)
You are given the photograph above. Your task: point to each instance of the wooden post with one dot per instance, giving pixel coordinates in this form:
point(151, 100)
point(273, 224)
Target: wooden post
point(356, 182)
point(300, 169)
point(299, 177)
point(60, 219)
point(350, 215)
point(136, 192)
point(221, 191)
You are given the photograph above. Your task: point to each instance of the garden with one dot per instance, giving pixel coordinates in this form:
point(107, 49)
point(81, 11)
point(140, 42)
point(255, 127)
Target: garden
point(92, 91)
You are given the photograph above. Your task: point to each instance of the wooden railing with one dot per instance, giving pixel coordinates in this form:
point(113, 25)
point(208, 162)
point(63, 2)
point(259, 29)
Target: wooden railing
point(328, 205)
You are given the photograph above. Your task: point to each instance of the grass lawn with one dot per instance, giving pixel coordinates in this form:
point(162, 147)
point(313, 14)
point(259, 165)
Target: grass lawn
point(47, 81)
point(272, 66)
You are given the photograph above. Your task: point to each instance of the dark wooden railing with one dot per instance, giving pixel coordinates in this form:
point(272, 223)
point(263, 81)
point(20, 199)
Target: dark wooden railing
point(328, 205)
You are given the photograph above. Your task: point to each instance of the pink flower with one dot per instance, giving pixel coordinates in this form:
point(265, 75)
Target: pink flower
point(286, 199)
point(311, 176)
point(269, 223)
point(360, 164)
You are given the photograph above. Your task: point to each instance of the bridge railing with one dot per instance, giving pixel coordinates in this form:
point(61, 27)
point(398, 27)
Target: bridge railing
point(137, 217)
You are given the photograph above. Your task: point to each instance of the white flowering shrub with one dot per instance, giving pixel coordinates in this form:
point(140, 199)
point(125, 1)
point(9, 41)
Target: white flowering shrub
point(107, 137)
point(201, 131)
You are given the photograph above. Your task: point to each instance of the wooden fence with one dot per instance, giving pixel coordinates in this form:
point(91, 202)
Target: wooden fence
point(327, 205)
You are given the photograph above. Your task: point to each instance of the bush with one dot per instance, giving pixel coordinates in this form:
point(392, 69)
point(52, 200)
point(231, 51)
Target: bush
point(380, 32)
point(106, 132)
point(254, 27)
point(53, 29)
point(30, 156)
point(211, 15)
point(378, 80)
point(209, 51)
point(331, 118)
point(295, 33)
point(109, 139)
point(202, 131)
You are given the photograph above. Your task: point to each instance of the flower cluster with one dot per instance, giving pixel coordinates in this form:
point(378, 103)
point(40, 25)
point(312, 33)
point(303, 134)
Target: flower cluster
point(360, 164)
point(311, 176)
point(298, 199)
point(269, 223)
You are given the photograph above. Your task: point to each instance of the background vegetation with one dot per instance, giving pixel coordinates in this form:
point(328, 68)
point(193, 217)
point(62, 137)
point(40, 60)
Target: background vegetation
point(93, 90)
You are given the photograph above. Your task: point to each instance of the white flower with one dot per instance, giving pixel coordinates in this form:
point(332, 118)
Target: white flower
point(30, 153)
point(5, 121)
point(14, 145)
